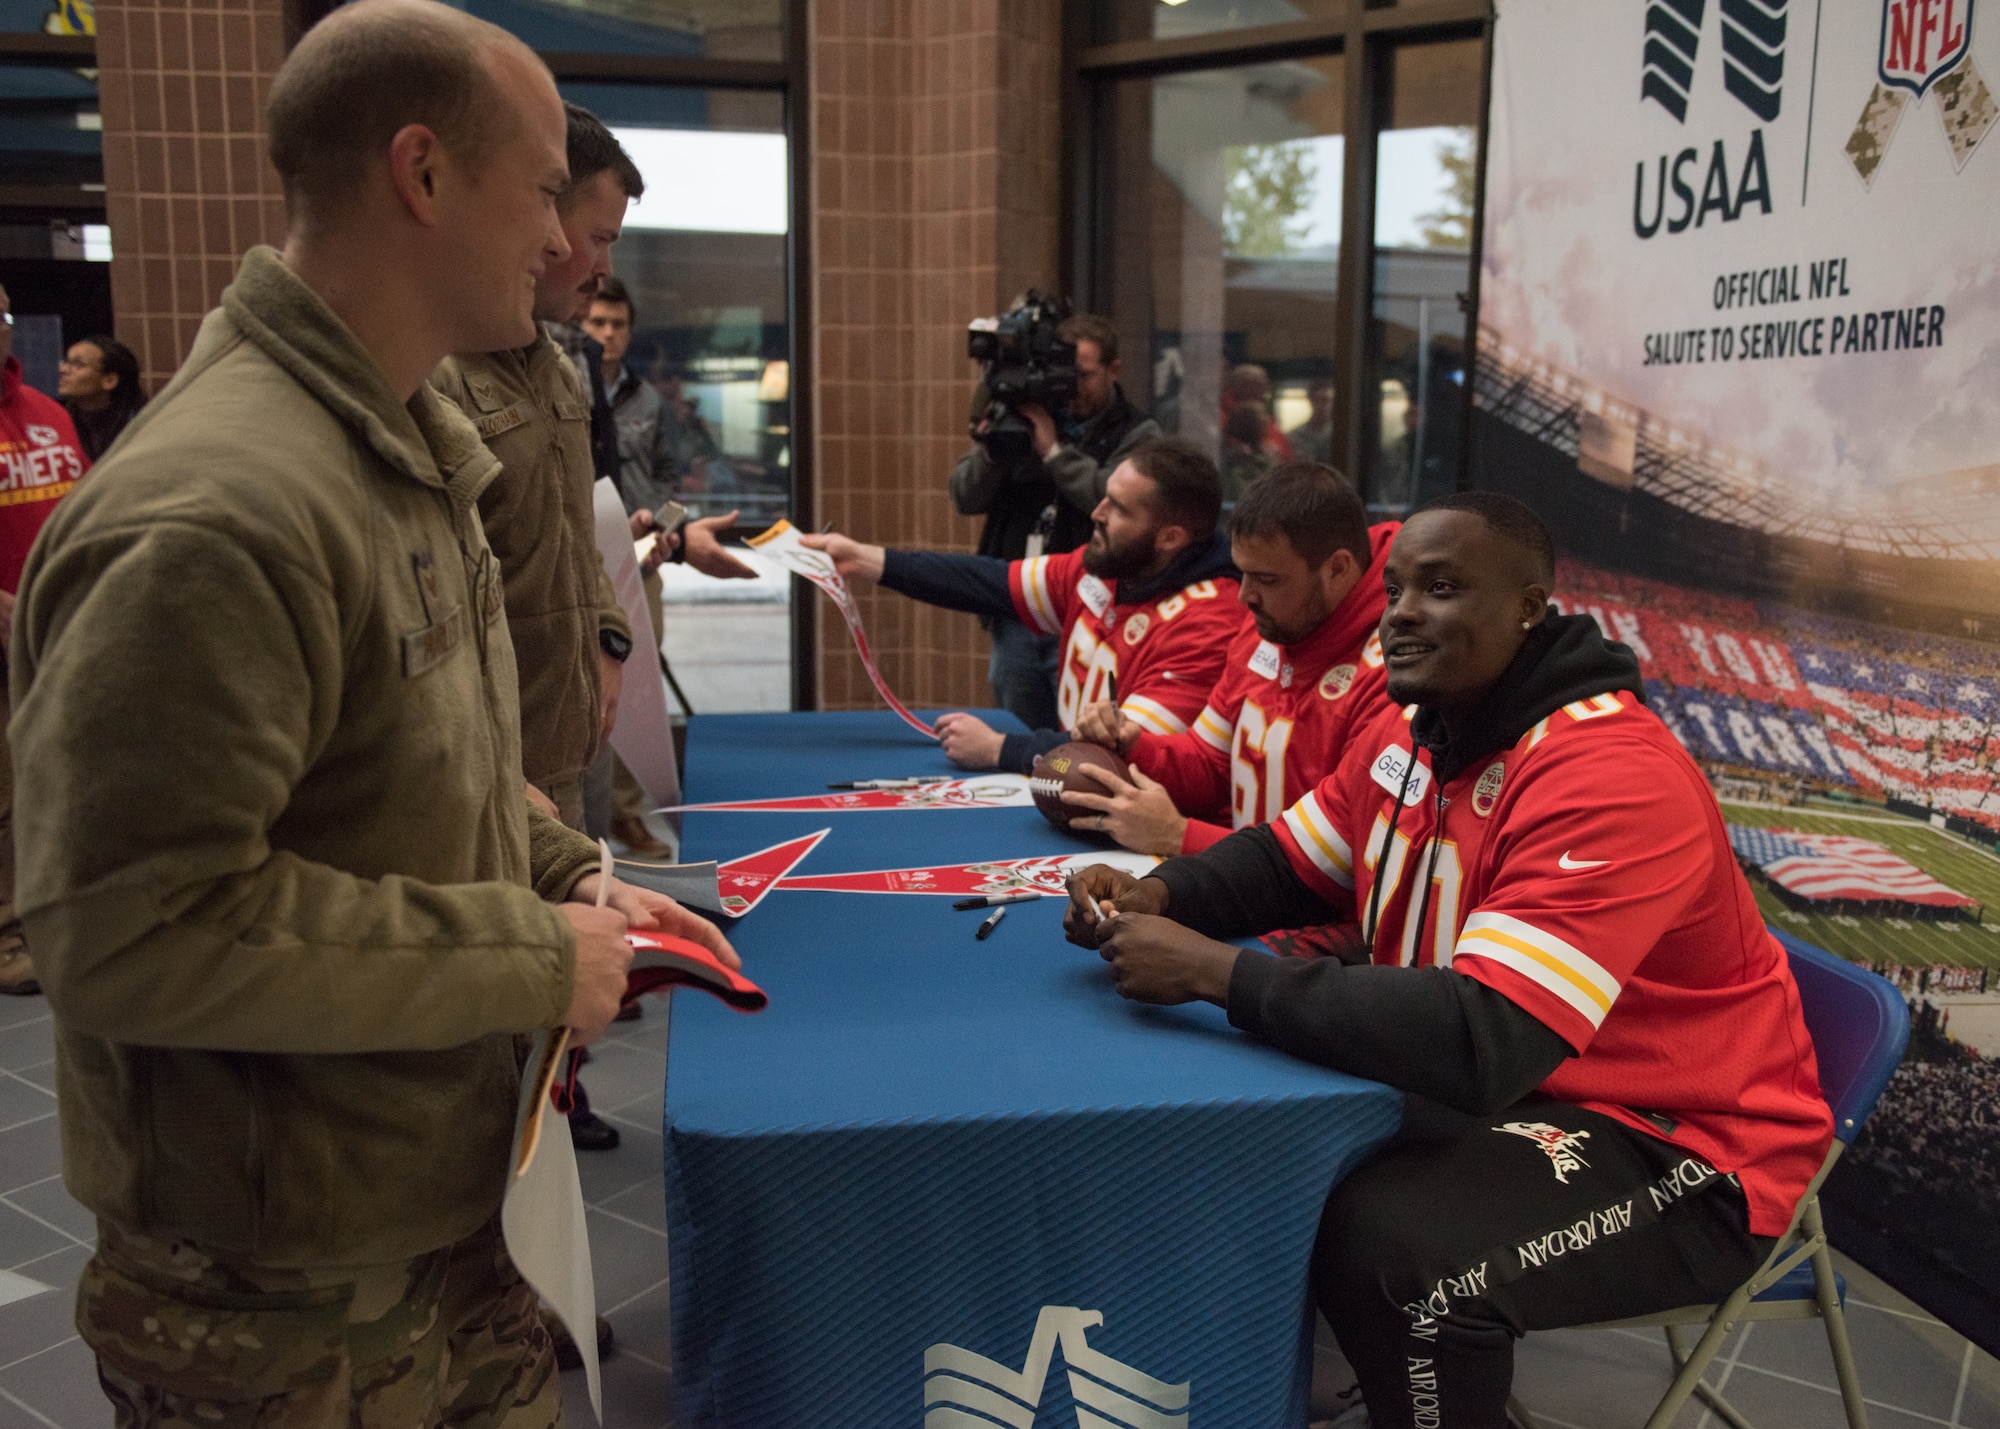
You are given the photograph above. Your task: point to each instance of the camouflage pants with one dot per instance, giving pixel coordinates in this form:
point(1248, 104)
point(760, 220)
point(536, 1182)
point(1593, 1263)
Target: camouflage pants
point(450, 1340)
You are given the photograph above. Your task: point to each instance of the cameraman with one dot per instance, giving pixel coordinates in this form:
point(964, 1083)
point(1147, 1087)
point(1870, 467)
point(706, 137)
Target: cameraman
point(1042, 507)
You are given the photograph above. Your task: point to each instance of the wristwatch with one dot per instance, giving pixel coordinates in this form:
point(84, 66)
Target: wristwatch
point(617, 646)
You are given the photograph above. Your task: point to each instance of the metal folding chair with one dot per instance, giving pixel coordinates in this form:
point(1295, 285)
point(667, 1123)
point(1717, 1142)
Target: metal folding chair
point(1859, 1026)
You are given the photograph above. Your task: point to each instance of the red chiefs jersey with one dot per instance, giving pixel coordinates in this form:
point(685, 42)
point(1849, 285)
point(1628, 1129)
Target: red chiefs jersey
point(40, 460)
point(1585, 874)
point(1278, 717)
point(1160, 656)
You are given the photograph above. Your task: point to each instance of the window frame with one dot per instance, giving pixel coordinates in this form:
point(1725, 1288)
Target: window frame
point(1365, 35)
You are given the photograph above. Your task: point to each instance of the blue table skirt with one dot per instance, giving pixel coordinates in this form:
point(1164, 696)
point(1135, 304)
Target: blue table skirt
point(926, 1140)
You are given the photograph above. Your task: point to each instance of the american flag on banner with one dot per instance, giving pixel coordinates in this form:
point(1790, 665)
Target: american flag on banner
point(1832, 867)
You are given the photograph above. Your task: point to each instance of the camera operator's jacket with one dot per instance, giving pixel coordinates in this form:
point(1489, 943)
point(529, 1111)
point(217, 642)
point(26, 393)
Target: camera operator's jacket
point(275, 861)
point(534, 415)
point(1071, 482)
point(1155, 645)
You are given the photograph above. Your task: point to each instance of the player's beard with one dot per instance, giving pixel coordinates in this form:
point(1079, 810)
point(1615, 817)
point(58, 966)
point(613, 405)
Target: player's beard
point(1116, 563)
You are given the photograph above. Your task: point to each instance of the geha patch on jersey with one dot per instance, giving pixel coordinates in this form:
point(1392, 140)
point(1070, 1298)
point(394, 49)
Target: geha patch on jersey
point(1486, 793)
point(1388, 771)
point(1136, 626)
point(1094, 594)
point(1264, 660)
point(1336, 682)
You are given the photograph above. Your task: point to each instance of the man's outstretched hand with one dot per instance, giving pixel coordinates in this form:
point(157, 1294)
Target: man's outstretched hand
point(707, 554)
point(1100, 892)
point(850, 557)
point(969, 741)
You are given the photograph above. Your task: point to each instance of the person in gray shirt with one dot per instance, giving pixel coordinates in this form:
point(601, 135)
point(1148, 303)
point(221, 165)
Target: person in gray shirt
point(649, 473)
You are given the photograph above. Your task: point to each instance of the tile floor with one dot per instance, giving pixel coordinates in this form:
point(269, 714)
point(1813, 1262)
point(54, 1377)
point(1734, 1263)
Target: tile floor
point(1915, 1371)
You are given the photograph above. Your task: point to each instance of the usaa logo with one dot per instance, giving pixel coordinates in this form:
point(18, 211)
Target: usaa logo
point(1336, 682)
point(1753, 70)
point(1486, 793)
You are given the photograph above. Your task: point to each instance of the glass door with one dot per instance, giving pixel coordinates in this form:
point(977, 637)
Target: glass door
point(703, 261)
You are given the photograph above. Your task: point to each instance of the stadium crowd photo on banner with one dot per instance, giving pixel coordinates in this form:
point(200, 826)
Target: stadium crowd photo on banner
point(1253, 714)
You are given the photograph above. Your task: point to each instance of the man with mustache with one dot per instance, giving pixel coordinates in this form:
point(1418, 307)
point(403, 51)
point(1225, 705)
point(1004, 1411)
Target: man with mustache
point(1615, 1105)
point(1143, 609)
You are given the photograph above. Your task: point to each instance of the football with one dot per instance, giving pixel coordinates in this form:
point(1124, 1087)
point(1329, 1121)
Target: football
point(1062, 768)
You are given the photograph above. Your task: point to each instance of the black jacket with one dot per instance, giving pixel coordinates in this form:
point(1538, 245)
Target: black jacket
point(1071, 481)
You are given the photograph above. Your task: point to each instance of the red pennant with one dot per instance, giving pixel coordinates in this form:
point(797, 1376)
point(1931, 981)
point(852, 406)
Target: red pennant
point(743, 882)
point(1046, 875)
point(987, 791)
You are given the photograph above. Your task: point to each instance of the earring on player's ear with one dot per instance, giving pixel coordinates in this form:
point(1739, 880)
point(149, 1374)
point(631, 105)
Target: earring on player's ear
point(1527, 625)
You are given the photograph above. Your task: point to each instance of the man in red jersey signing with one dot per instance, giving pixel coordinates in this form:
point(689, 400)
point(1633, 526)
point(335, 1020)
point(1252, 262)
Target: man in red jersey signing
point(1144, 609)
point(1304, 669)
point(1615, 1102)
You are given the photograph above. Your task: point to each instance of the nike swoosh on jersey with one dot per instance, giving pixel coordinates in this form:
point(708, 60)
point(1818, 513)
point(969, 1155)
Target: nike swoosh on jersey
point(1574, 864)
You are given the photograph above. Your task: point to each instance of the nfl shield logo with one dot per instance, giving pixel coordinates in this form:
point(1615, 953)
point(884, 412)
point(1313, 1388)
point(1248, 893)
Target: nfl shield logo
point(1922, 40)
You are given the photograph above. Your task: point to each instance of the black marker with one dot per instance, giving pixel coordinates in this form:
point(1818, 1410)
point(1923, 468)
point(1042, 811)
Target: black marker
point(992, 922)
point(995, 900)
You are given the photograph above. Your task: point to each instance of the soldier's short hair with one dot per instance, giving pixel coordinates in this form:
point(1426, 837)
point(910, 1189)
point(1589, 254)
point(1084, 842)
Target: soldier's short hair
point(1312, 506)
point(1190, 487)
point(369, 70)
point(593, 149)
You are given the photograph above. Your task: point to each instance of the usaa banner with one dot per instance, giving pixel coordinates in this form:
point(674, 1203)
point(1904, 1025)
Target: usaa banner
point(1739, 341)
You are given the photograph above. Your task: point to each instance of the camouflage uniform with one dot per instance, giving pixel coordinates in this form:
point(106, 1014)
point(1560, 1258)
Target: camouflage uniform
point(190, 1337)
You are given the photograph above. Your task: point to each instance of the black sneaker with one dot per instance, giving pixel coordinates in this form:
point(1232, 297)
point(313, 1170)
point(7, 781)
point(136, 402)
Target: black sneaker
point(590, 1132)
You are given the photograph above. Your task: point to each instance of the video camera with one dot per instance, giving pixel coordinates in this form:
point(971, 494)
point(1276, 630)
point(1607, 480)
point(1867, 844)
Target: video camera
point(1026, 364)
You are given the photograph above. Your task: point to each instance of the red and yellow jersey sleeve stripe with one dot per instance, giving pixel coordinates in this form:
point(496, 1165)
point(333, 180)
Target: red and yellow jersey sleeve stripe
point(1564, 979)
point(1213, 730)
point(1315, 848)
point(1151, 716)
point(1028, 582)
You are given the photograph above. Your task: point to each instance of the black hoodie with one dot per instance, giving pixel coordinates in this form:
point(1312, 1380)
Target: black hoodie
point(1426, 1030)
point(979, 584)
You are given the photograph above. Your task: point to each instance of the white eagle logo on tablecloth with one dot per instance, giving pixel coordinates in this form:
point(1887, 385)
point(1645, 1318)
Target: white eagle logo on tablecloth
point(956, 1379)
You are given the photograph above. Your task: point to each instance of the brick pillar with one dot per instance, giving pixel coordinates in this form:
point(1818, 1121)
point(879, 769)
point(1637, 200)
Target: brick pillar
point(188, 187)
point(934, 184)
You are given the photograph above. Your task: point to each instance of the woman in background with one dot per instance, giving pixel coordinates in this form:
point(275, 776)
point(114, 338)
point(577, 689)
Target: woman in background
point(99, 384)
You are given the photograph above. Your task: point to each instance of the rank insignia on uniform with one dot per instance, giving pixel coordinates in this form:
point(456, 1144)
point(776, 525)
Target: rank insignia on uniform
point(425, 566)
point(1486, 793)
point(1136, 626)
point(1336, 682)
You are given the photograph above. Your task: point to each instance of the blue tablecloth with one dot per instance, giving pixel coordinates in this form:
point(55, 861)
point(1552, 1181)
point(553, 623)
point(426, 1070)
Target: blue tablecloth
point(927, 1142)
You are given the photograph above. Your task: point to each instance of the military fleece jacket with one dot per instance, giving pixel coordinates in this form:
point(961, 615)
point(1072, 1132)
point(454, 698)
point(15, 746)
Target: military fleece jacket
point(533, 414)
point(284, 891)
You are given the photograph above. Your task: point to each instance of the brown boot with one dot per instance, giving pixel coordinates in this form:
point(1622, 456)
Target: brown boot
point(17, 970)
point(631, 831)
